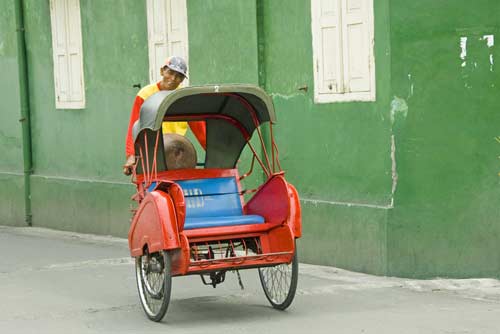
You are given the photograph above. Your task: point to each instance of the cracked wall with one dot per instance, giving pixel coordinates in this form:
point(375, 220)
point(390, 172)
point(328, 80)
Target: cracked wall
point(445, 220)
point(338, 155)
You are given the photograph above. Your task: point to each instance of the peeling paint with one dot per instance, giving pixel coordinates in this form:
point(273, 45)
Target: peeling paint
point(410, 90)
point(399, 107)
point(399, 110)
point(463, 47)
point(490, 42)
point(285, 97)
point(393, 169)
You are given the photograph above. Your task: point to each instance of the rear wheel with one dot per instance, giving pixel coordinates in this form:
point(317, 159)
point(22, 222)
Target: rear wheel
point(280, 283)
point(154, 283)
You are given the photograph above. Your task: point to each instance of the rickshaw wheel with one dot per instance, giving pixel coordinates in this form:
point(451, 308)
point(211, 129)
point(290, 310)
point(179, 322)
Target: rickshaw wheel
point(280, 283)
point(154, 283)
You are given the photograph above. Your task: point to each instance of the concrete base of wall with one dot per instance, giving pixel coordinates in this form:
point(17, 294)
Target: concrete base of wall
point(353, 238)
point(12, 200)
point(82, 205)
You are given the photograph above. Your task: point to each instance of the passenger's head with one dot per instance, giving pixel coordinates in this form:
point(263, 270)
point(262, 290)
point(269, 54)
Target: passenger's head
point(179, 152)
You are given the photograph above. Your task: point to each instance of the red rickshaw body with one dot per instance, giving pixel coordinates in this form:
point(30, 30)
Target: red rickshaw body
point(199, 215)
point(159, 224)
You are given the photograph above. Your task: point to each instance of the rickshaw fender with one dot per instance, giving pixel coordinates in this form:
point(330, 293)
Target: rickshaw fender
point(180, 257)
point(279, 239)
point(285, 205)
point(271, 201)
point(177, 196)
point(154, 225)
point(295, 217)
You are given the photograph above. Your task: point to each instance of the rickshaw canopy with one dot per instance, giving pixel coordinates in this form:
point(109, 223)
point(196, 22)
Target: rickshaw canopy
point(230, 100)
point(232, 112)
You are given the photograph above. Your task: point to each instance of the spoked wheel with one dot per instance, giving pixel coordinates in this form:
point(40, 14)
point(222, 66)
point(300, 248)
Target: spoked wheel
point(280, 283)
point(154, 283)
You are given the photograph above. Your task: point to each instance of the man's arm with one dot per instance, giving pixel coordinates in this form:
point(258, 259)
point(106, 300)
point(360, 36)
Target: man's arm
point(134, 116)
point(200, 132)
point(129, 142)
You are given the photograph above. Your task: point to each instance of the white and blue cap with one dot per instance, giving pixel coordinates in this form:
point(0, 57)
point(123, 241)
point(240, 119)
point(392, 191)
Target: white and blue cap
point(177, 64)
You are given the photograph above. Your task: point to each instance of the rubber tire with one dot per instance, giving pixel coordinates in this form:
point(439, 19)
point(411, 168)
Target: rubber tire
point(167, 288)
point(293, 285)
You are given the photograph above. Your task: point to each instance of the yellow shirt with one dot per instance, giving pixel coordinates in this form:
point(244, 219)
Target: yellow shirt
point(174, 127)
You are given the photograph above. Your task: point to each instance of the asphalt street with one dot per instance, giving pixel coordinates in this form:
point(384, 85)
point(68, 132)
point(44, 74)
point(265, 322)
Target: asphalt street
point(61, 282)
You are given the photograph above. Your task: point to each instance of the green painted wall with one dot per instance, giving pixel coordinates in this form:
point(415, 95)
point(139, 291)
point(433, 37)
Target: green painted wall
point(344, 237)
point(433, 124)
point(85, 206)
point(73, 149)
point(218, 54)
point(222, 41)
point(337, 155)
point(11, 164)
point(347, 143)
point(90, 141)
point(446, 220)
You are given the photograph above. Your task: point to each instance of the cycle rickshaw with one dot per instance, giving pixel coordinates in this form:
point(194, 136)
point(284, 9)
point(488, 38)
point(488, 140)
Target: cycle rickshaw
point(200, 220)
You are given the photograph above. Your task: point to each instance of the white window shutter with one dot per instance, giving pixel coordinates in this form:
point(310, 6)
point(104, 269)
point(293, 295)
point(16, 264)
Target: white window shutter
point(344, 65)
point(328, 58)
point(357, 45)
point(58, 22)
point(167, 33)
point(67, 54)
point(157, 37)
point(75, 52)
point(177, 29)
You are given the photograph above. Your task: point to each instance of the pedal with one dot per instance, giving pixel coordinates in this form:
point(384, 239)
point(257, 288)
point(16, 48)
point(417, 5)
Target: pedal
point(215, 278)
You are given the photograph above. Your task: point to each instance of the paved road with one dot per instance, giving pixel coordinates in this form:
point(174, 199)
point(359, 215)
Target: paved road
point(57, 282)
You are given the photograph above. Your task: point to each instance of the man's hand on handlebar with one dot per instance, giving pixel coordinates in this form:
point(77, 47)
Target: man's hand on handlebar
point(129, 164)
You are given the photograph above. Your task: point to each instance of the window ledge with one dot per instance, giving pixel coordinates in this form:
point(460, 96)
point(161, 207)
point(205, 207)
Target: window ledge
point(344, 97)
point(70, 105)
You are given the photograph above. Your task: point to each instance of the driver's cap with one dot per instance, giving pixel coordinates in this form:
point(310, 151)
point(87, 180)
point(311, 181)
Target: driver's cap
point(177, 64)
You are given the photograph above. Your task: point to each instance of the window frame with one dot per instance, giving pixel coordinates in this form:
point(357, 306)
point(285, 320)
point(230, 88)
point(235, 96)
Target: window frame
point(343, 95)
point(72, 24)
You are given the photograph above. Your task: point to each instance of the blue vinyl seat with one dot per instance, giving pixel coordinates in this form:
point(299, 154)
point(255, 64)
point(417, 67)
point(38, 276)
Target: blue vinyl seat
point(214, 202)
